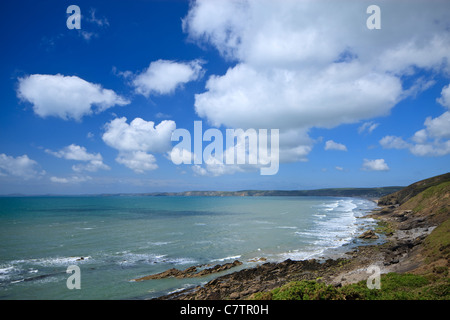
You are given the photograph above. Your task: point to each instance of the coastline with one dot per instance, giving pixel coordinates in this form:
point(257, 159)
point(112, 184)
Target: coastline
point(399, 252)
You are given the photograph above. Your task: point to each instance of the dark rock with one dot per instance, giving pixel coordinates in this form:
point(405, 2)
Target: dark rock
point(190, 272)
point(369, 234)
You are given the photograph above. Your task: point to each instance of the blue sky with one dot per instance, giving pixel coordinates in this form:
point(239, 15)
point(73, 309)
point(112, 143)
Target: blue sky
point(92, 110)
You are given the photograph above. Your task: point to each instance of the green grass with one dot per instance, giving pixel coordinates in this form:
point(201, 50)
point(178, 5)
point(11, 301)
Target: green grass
point(384, 227)
point(434, 192)
point(394, 286)
point(301, 290)
point(437, 244)
point(438, 190)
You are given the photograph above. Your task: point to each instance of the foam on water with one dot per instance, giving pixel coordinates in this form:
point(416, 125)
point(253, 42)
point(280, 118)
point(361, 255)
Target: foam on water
point(226, 258)
point(334, 225)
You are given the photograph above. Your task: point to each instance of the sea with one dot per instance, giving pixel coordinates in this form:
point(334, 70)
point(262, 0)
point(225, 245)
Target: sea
point(116, 239)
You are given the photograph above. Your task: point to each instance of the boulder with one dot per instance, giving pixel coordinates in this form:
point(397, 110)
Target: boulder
point(369, 234)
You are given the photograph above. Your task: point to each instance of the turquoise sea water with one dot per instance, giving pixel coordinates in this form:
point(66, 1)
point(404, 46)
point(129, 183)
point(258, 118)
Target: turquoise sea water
point(125, 237)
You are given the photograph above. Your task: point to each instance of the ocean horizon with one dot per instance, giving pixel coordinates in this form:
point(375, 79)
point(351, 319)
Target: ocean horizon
point(116, 239)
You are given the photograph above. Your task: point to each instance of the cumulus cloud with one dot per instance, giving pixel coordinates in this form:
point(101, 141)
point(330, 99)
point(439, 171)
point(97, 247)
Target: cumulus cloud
point(74, 152)
point(433, 139)
point(138, 161)
point(280, 98)
point(180, 155)
point(375, 165)
point(21, 166)
point(438, 127)
point(245, 151)
point(139, 135)
point(215, 167)
point(164, 76)
point(79, 153)
point(66, 97)
point(300, 65)
point(394, 142)
point(137, 140)
point(444, 99)
point(331, 145)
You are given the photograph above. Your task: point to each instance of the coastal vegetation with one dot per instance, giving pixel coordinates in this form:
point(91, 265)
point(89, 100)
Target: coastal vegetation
point(394, 286)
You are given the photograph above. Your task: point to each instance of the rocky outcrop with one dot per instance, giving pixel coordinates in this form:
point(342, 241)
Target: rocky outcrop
point(369, 234)
point(267, 276)
point(190, 272)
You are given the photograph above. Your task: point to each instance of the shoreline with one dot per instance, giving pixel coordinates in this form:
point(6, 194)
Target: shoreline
point(399, 252)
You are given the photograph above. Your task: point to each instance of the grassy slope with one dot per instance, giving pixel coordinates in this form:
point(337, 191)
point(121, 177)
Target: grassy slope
point(403, 195)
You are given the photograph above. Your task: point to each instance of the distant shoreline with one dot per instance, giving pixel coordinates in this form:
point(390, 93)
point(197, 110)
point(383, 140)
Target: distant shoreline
point(367, 193)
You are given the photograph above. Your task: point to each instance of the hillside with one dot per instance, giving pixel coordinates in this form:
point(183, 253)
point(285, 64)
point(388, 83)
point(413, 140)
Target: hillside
point(429, 198)
point(404, 194)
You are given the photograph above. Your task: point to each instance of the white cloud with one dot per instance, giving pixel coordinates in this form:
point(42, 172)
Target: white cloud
point(66, 97)
point(163, 76)
point(161, 115)
point(91, 166)
point(136, 140)
point(229, 161)
point(433, 140)
point(138, 161)
point(79, 153)
point(305, 64)
point(211, 166)
point(339, 168)
point(101, 22)
point(438, 127)
point(433, 149)
point(70, 180)
point(368, 126)
point(292, 99)
point(180, 155)
point(393, 142)
point(214, 168)
point(375, 165)
point(139, 135)
point(88, 35)
point(199, 170)
point(21, 166)
point(423, 146)
point(331, 145)
point(444, 99)
point(75, 152)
